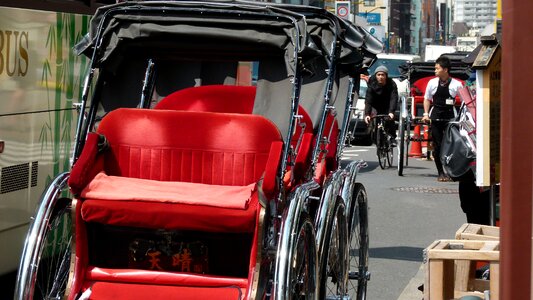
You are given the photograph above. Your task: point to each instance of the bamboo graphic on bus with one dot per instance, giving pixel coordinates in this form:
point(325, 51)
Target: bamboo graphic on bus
point(63, 86)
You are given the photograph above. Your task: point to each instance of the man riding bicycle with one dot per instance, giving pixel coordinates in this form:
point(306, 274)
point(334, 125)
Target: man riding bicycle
point(382, 95)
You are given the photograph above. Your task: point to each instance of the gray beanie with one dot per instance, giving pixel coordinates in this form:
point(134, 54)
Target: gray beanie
point(381, 69)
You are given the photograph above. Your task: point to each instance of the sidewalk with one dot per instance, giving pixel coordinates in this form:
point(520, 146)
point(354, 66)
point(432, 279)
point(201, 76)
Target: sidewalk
point(411, 291)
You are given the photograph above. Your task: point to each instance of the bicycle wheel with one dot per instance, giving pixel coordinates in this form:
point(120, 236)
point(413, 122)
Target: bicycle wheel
point(380, 146)
point(332, 268)
point(390, 154)
point(358, 247)
point(401, 145)
point(46, 258)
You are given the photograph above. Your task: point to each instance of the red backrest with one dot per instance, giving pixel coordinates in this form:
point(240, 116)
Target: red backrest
point(199, 147)
point(212, 98)
point(240, 99)
point(418, 89)
point(225, 99)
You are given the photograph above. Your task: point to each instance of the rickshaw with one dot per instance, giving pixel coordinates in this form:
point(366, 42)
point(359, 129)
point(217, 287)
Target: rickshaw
point(418, 75)
point(186, 185)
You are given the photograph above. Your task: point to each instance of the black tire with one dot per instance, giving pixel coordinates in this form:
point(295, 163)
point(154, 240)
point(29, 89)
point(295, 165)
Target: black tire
point(358, 244)
point(303, 263)
point(332, 264)
point(296, 269)
point(380, 146)
point(401, 145)
point(390, 154)
point(46, 258)
point(53, 255)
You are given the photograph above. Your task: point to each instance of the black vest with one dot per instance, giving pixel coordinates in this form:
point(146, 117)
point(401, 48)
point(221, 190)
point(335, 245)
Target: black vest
point(441, 110)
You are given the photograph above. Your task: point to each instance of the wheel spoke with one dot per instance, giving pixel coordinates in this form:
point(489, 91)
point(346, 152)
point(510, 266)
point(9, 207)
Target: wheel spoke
point(358, 249)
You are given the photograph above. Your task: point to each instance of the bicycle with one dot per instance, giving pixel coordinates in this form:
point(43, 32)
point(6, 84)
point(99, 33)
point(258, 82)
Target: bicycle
point(384, 148)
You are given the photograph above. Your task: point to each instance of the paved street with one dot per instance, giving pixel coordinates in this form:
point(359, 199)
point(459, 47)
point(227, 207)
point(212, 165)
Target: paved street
point(405, 215)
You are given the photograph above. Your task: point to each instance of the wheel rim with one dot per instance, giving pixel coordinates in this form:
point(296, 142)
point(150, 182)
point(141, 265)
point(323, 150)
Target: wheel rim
point(334, 274)
point(54, 262)
point(303, 265)
point(358, 249)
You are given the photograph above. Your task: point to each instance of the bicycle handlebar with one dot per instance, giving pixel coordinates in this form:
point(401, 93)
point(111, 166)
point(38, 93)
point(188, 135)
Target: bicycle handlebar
point(419, 120)
point(380, 116)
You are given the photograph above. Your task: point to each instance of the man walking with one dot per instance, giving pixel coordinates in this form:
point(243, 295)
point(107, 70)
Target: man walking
point(439, 101)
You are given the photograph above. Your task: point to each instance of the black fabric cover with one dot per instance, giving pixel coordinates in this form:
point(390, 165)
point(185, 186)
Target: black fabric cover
point(456, 154)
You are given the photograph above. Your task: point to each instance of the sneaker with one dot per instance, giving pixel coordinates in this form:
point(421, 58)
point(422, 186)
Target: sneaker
point(444, 178)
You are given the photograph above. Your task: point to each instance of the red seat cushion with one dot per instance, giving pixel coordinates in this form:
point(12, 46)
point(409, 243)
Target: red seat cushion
point(161, 277)
point(171, 216)
point(116, 188)
point(102, 290)
point(212, 98)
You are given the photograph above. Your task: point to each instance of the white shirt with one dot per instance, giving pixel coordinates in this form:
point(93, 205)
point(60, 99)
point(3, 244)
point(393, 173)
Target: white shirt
point(433, 84)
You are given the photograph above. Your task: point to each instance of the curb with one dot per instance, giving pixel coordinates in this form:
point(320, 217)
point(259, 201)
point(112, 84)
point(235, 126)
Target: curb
point(411, 292)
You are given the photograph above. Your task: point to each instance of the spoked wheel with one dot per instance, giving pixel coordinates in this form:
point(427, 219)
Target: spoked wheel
point(296, 269)
point(358, 247)
point(401, 145)
point(381, 150)
point(46, 258)
point(332, 267)
point(303, 263)
point(390, 155)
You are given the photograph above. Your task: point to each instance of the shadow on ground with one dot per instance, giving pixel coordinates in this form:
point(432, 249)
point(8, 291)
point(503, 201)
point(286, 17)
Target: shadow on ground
point(398, 253)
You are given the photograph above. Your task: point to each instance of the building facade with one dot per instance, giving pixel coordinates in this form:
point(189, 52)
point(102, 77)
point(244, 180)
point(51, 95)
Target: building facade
point(477, 14)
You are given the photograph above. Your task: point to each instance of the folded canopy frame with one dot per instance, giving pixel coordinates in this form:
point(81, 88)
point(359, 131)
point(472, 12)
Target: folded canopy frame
point(225, 29)
point(272, 32)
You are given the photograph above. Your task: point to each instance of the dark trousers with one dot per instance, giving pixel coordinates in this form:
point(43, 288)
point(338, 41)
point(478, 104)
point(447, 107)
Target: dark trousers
point(437, 133)
point(388, 125)
point(475, 204)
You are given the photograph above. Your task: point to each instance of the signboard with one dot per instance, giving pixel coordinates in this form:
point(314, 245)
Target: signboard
point(342, 9)
point(488, 94)
point(371, 18)
point(377, 31)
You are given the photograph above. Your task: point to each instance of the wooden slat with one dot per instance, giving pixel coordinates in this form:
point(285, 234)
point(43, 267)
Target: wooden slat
point(461, 230)
point(477, 232)
point(472, 250)
point(464, 270)
point(495, 281)
point(441, 285)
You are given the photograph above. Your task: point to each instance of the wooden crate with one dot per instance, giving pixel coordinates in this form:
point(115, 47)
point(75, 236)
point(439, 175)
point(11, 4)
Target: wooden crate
point(465, 270)
point(478, 232)
point(442, 275)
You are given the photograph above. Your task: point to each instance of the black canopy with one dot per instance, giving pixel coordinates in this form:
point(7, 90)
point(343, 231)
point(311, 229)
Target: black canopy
point(417, 70)
point(223, 28)
point(128, 33)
